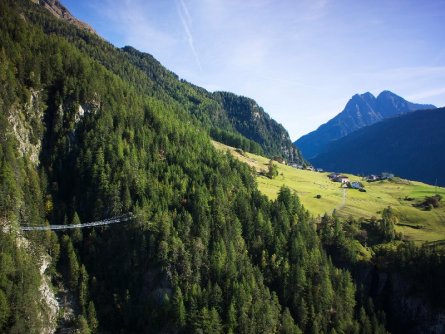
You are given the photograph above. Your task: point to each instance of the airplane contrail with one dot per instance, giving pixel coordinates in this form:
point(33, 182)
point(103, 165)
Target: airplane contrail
point(186, 20)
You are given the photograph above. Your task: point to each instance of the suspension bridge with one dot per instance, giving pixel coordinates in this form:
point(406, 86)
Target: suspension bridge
point(114, 220)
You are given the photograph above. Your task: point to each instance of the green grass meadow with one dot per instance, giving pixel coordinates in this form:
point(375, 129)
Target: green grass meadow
point(415, 224)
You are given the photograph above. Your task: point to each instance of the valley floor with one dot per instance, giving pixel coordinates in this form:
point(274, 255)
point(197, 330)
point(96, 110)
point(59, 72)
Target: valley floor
point(416, 224)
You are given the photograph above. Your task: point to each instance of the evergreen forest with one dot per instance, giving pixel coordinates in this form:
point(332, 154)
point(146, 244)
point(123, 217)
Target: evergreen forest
point(88, 132)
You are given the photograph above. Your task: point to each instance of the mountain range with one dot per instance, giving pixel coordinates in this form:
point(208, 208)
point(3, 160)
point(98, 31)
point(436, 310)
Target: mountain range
point(410, 146)
point(361, 110)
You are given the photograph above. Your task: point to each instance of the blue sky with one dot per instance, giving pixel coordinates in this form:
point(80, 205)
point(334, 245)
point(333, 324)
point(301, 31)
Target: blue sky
point(301, 60)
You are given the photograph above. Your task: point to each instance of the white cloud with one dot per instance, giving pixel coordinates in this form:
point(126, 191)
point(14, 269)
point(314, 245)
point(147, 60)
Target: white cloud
point(415, 72)
point(133, 20)
point(427, 93)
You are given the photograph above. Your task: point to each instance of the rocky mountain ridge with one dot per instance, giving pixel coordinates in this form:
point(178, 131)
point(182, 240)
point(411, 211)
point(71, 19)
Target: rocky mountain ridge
point(360, 111)
point(410, 146)
point(61, 12)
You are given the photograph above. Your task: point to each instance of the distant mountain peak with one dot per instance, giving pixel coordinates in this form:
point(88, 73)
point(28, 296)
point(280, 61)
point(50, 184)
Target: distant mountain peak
point(386, 92)
point(360, 111)
point(390, 96)
point(409, 145)
point(367, 95)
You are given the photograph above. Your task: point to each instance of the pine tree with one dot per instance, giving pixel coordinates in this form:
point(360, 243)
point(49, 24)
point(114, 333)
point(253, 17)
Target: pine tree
point(4, 309)
point(287, 323)
point(92, 317)
point(179, 308)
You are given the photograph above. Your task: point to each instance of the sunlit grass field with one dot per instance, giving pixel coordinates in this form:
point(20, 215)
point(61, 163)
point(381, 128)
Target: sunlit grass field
point(415, 224)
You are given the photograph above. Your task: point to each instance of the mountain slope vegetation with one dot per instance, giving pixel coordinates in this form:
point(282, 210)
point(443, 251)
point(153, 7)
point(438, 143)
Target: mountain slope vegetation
point(403, 196)
point(235, 120)
point(149, 77)
point(410, 146)
point(361, 110)
point(391, 238)
point(86, 135)
point(250, 120)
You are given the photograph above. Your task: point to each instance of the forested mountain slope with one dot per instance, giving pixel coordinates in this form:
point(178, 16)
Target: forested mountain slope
point(86, 135)
point(361, 110)
point(250, 120)
point(151, 78)
point(410, 146)
point(235, 120)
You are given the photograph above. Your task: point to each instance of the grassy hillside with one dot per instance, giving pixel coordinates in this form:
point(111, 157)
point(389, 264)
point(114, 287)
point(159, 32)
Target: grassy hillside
point(415, 224)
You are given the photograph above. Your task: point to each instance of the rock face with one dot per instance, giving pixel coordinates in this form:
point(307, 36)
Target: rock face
point(61, 12)
point(48, 298)
point(361, 110)
point(28, 137)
